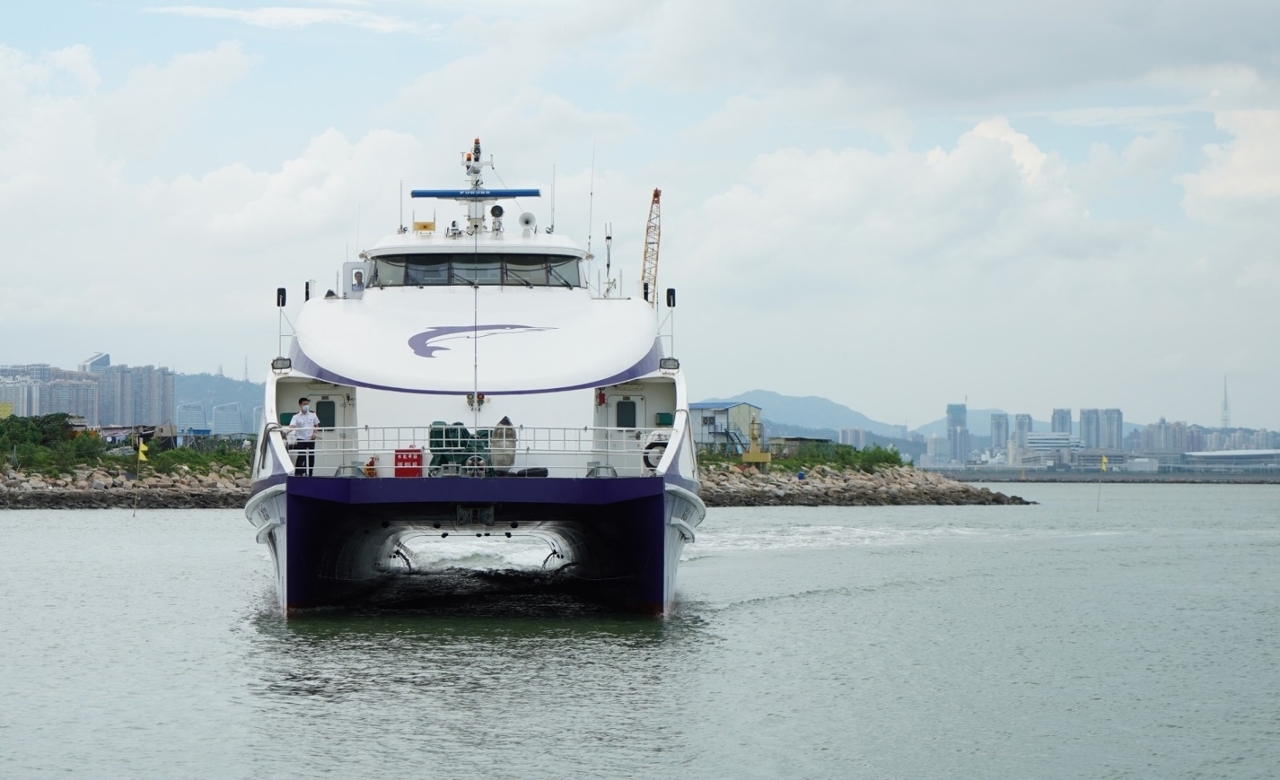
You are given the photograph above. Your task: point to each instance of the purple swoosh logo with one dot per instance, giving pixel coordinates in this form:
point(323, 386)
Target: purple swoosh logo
point(426, 344)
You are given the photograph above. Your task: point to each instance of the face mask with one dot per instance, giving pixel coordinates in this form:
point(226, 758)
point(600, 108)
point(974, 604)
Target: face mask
point(306, 407)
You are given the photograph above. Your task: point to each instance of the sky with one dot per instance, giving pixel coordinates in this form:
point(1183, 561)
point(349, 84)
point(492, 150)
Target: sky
point(895, 205)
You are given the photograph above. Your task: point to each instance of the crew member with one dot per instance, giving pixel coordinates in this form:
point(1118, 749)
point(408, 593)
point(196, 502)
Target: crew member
point(304, 428)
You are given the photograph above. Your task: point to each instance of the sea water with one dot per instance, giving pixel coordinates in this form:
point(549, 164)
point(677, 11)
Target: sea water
point(1135, 636)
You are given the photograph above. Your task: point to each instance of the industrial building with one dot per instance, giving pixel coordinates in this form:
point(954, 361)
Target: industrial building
point(227, 420)
point(723, 425)
point(191, 418)
point(1233, 461)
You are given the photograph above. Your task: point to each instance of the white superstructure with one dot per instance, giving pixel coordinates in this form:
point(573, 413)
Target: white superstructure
point(467, 376)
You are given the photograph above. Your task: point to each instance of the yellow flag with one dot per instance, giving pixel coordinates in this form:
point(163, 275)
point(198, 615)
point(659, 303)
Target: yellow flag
point(1104, 462)
point(142, 449)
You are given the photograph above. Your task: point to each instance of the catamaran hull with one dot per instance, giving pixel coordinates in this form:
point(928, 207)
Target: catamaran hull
point(618, 539)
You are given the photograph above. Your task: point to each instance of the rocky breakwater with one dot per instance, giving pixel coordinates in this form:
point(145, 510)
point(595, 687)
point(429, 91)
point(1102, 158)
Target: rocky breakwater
point(222, 487)
point(727, 485)
point(723, 484)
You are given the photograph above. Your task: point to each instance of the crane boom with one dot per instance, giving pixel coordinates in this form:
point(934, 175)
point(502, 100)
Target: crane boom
point(652, 234)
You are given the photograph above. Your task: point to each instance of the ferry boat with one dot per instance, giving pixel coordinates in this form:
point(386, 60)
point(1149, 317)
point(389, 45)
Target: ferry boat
point(469, 381)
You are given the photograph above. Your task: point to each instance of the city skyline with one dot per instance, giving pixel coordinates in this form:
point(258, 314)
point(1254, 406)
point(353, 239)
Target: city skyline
point(67, 382)
point(1096, 440)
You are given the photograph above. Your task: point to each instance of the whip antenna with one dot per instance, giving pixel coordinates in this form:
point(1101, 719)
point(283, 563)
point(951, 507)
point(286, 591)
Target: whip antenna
point(552, 228)
point(591, 197)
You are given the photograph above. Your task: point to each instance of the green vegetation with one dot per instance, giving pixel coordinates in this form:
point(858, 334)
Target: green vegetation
point(813, 454)
point(51, 445)
point(47, 444)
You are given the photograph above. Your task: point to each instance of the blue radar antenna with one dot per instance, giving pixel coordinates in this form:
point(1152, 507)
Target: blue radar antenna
point(476, 194)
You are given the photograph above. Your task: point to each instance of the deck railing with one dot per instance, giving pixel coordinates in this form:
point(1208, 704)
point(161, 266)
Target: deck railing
point(499, 451)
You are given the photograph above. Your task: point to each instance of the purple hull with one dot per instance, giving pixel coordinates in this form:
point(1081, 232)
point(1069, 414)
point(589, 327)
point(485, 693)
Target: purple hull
point(342, 535)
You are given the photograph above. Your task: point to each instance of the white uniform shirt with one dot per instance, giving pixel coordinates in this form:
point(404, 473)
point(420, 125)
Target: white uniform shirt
point(304, 425)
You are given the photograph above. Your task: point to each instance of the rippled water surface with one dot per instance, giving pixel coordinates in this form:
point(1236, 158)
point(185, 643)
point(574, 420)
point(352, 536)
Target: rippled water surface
point(994, 642)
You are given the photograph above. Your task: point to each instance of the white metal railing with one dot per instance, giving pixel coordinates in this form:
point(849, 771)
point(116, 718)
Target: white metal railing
point(499, 451)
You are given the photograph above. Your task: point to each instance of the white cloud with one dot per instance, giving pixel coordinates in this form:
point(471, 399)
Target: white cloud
point(899, 280)
point(20, 73)
point(1243, 174)
point(1151, 154)
point(296, 17)
point(945, 53)
point(183, 269)
point(1218, 86)
point(827, 102)
point(78, 61)
point(98, 256)
point(504, 93)
point(155, 102)
point(1028, 157)
point(895, 278)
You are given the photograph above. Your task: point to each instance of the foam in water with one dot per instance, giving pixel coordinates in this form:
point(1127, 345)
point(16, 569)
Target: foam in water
point(520, 553)
point(822, 536)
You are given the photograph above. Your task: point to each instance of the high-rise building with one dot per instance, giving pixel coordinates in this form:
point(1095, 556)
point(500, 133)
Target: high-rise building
point(142, 395)
point(1022, 425)
point(999, 431)
point(937, 451)
point(958, 431)
point(77, 397)
point(1226, 405)
point(1112, 429)
point(1165, 437)
point(115, 396)
point(22, 394)
point(38, 372)
point(1061, 421)
point(160, 407)
point(96, 364)
point(855, 437)
point(1090, 428)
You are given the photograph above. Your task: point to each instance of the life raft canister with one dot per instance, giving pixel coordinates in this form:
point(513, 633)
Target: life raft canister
point(653, 453)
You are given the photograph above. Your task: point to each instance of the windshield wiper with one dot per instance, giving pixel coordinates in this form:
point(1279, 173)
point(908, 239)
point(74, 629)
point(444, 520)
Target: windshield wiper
point(557, 275)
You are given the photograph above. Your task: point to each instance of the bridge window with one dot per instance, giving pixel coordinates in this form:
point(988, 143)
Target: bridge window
point(527, 271)
point(477, 271)
point(487, 269)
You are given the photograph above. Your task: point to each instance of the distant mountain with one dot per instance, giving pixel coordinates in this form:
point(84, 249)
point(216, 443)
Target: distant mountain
point(774, 430)
point(810, 411)
point(214, 390)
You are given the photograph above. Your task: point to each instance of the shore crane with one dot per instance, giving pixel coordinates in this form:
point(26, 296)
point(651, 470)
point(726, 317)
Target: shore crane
point(652, 234)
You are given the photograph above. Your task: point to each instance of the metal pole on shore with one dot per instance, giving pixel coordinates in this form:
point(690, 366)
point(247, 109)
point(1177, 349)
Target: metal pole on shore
point(1100, 473)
